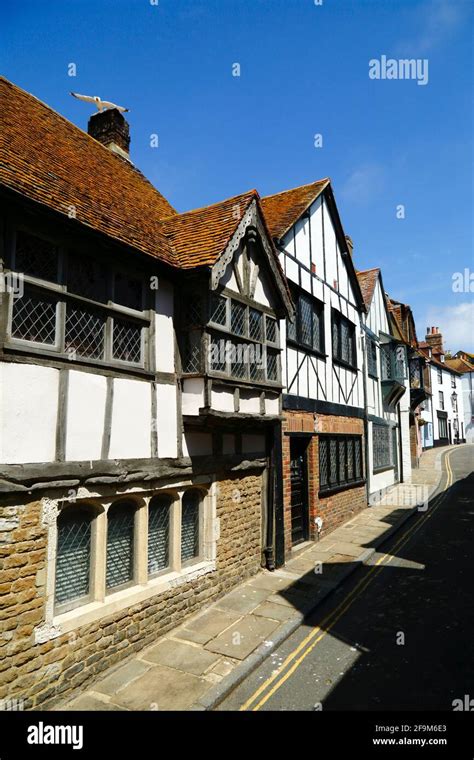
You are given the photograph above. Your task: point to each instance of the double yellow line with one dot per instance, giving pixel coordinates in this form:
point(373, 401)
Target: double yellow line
point(294, 660)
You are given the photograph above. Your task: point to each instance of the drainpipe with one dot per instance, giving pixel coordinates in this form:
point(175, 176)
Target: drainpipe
point(366, 416)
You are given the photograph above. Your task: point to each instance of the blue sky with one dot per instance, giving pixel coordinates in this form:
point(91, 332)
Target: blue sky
point(303, 71)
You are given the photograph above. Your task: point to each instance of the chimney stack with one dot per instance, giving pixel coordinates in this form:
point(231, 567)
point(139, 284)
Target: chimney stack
point(434, 339)
point(111, 129)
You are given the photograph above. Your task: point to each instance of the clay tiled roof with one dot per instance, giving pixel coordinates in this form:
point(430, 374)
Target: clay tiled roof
point(367, 281)
point(283, 209)
point(49, 160)
point(460, 365)
point(198, 237)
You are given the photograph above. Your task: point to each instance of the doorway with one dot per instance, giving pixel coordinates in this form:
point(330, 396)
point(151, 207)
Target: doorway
point(299, 490)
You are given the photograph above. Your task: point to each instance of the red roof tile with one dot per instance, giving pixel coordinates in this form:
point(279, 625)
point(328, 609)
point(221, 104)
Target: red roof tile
point(283, 209)
point(47, 159)
point(367, 281)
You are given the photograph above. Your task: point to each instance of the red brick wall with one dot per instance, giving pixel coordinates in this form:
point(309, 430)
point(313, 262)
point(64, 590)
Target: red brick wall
point(336, 508)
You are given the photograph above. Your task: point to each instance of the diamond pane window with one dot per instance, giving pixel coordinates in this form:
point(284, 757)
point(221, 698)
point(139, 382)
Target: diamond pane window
point(350, 459)
point(34, 318)
point(372, 357)
point(317, 329)
point(193, 312)
point(381, 446)
point(36, 257)
point(342, 459)
point(217, 359)
point(73, 556)
point(219, 310)
point(120, 534)
point(237, 318)
point(306, 321)
point(343, 339)
point(238, 357)
point(190, 525)
point(336, 343)
point(192, 351)
point(272, 365)
point(84, 333)
point(333, 460)
point(87, 278)
point(323, 462)
point(158, 533)
point(291, 332)
point(128, 291)
point(256, 363)
point(127, 341)
point(271, 329)
point(256, 325)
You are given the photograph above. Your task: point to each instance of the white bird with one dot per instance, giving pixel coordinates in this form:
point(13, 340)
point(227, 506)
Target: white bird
point(101, 104)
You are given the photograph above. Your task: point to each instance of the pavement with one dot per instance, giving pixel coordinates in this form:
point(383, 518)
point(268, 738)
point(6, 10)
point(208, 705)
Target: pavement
point(397, 635)
point(198, 664)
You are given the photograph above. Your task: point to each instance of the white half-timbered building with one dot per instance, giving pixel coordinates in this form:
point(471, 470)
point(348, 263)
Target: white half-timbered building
point(323, 401)
point(140, 388)
point(386, 375)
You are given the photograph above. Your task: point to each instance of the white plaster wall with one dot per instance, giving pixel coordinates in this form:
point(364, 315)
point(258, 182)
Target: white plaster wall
point(28, 409)
point(166, 420)
point(249, 402)
point(272, 405)
point(131, 420)
point(467, 387)
point(222, 400)
point(86, 399)
point(164, 333)
point(193, 395)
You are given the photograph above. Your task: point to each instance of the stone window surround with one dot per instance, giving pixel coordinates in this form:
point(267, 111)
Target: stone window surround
point(103, 602)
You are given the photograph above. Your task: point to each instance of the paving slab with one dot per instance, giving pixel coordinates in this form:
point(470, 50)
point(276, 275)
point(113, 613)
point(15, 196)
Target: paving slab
point(177, 654)
point(121, 677)
point(243, 637)
point(244, 599)
point(274, 611)
point(89, 703)
point(205, 627)
point(270, 581)
point(162, 688)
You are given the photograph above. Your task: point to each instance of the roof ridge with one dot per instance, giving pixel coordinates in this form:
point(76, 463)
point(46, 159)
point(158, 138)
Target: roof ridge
point(298, 187)
point(254, 193)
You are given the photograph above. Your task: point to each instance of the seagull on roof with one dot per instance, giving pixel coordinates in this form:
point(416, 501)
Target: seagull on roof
point(101, 104)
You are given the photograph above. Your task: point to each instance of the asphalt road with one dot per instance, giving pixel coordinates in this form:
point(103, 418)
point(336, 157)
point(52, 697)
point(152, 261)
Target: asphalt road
point(399, 633)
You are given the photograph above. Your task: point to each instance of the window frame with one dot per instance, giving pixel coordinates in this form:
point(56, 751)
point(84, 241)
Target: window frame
point(317, 306)
point(74, 603)
point(340, 485)
point(58, 291)
point(372, 362)
point(337, 320)
point(378, 466)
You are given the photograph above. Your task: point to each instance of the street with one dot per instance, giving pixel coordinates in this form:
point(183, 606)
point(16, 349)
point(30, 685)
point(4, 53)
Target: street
point(398, 634)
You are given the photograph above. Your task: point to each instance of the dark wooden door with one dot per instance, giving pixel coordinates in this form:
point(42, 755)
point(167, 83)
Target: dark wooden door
point(299, 490)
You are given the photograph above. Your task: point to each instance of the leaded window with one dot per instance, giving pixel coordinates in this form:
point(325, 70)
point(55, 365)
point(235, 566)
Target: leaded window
point(237, 318)
point(36, 257)
point(218, 313)
point(120, 544)
point(73, 555)
point(381, 446)
point(343, 339)
point(85, 332)
point(34, 318)
point(307, 327)
point(340, 461)
point(256, 324)
point(372, 357)
point(61, 321)
point(271, 329)
point(190, 525)
point(159, 511)
point(238, 364)
point(127, 341)
point(272, 365)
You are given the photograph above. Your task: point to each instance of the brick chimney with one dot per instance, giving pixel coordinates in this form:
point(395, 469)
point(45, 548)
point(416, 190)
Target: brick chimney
point(434, 338)
point(111, 129)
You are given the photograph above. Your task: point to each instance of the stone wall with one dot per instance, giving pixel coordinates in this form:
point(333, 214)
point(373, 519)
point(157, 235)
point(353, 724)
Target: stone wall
point(41, 674)
point(337, 507)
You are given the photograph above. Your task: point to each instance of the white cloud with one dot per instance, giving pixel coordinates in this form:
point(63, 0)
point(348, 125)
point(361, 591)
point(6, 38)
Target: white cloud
point(456, 323)
point(364, 183)
point(438, 19)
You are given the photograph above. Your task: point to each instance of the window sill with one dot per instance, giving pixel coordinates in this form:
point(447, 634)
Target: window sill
point(119, 600)
point(385, 468)
point(308, 349)
point(335, 489)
